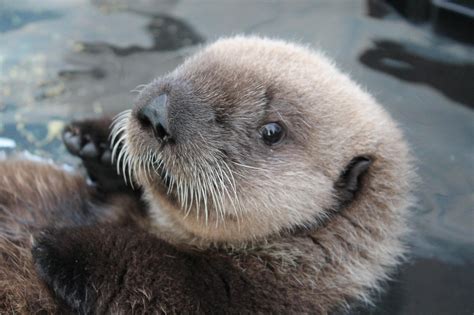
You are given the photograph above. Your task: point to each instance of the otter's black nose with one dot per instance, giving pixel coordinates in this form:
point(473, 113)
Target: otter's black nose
point(155, 116)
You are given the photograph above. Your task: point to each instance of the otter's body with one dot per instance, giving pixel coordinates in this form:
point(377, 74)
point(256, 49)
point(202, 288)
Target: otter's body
point(35, 196)
point(265, 181)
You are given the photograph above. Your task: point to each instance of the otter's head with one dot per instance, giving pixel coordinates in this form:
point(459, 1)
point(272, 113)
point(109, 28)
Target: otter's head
point(248, 138)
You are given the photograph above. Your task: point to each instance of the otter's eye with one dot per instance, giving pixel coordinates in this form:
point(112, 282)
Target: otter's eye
point(272, 133)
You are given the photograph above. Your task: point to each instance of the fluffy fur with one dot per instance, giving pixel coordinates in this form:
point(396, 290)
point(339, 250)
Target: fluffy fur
point(245, 82)
point(306, 226)
point(34, 196)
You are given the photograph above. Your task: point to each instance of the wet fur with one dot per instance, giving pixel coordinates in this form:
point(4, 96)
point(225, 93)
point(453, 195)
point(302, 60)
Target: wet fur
point(309, 260)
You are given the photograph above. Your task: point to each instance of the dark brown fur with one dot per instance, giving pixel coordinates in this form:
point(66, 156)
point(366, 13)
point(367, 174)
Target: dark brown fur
point(178, 280)
point(34, 196)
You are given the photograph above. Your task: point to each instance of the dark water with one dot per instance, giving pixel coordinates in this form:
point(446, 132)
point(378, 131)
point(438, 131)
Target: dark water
point(61, 60)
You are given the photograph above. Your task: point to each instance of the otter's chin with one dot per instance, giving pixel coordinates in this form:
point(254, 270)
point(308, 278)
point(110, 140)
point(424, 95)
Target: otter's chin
point(193, 227)
point(159, 186)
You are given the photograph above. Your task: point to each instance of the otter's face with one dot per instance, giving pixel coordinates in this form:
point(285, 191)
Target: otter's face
point(232, 145)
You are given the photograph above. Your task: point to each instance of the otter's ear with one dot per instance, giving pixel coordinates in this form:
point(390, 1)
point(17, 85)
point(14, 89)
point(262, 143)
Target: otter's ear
point(349, 181)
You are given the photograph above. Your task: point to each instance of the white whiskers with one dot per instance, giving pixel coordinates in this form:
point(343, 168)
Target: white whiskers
point(197, 183)
point(120, 151)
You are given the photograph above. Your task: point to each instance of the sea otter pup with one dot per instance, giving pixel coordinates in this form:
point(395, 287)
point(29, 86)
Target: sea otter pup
point(257, 178)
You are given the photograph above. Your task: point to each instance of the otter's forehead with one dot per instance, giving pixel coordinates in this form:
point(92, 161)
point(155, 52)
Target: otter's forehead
point(269, 58)
point(244, 70)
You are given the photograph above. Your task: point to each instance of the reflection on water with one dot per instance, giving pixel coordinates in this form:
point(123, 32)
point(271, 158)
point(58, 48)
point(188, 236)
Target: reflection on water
point(452, 79)
point(168, 33)
point(377, 9)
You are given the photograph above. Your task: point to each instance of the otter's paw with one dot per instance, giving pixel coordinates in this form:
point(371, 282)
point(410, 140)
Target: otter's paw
point(89, 140)
point(64, 265)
